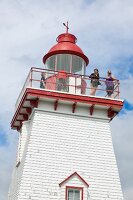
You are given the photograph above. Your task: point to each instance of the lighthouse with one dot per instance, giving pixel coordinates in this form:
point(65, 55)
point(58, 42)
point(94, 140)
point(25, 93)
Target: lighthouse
point(65, 149)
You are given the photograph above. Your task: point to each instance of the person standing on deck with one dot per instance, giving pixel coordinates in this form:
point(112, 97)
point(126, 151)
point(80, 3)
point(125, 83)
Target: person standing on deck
point(110, 84)
point(94, 82)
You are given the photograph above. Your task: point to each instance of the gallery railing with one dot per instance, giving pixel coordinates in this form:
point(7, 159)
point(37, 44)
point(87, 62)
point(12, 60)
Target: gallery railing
point(61, 81)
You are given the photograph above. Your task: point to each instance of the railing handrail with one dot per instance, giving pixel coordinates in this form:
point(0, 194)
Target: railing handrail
point(30, 79)
point(23, 86)
point(41, 69)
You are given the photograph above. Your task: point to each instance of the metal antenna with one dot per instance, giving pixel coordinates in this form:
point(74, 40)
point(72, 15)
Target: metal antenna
point(66, 26)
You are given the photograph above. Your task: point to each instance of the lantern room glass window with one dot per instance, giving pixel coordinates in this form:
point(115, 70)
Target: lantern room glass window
point(66, 62)
point(78, 65)
point(50, 64)
point(63, 62)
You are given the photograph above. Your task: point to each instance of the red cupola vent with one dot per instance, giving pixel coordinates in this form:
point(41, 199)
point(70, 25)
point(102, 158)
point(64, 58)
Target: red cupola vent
point(66, 44)
point(65, 37)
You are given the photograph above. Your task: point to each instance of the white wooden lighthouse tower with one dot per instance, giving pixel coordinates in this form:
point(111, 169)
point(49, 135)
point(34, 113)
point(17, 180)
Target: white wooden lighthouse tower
point(65, 149)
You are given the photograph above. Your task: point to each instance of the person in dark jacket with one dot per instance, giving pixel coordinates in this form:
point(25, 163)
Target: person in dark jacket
point(42, 82)
point(94, 82)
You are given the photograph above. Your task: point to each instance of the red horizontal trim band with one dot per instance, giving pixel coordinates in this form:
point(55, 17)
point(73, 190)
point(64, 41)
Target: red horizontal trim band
point(66, 97)
point(75, 98)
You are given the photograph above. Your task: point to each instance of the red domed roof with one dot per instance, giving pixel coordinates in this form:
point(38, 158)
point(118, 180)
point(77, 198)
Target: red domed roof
point(66, 45)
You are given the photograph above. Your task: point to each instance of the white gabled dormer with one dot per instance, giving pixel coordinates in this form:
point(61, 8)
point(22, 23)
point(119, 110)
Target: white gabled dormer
point(74, 187)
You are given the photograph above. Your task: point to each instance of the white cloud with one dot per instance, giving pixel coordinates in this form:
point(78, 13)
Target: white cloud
point(104, 31)
point(123, 144)
point(129, 194)
point(7, 159)
point(127, 89)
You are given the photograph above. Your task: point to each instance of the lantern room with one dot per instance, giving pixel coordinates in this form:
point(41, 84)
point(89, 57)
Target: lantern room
point(66, 56)
point(63, 61)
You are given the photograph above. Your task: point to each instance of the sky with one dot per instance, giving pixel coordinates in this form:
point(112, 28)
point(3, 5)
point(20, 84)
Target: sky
point(28, 29)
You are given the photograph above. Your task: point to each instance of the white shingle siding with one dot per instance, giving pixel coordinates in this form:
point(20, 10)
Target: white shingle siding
point(17, 173)
point(60, 144)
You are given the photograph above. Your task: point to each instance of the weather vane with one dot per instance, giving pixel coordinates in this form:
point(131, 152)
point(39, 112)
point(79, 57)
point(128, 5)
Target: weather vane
point(66, 26)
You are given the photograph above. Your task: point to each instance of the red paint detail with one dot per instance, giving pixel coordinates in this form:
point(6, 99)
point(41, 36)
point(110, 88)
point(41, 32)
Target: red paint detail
point(83, 86)
point(110, 112)
point(74, 107)
point(28, 110)
point(73, 187)
point(67, 38)
point(18, 109)
point(17, 113)
point(50, 83)
point(75, 98)
point(25, 116)
point(66, 45)
point(62, 74)
point(66, 97)
point(74, 174)
point(91, 109)
point(34, 103)
point(55, 105)
point(82, 193)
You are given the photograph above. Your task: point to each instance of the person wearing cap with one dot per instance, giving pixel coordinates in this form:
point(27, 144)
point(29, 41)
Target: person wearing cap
point(94, 82)
point(109, 84)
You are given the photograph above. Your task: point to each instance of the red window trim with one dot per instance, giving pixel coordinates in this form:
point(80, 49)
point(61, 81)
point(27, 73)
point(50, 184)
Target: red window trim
point(73, 187)
point(74, 174)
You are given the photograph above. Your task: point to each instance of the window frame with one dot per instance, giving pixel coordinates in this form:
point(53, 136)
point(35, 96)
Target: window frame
point(74, 188)
point(71, 65)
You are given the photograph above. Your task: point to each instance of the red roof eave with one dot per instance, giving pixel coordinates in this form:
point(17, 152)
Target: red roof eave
point(37, 93)
point(66, 52)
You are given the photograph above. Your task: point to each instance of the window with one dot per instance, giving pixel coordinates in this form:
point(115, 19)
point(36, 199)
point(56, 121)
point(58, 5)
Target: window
point(63, 62)
point(50, 64)
point(74, 193)
point(78, 65)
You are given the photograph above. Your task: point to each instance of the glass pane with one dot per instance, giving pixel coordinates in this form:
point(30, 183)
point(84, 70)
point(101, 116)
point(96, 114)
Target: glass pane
point(73, 194)
point(70, 195)
point(77, 195)
point(78, 65)
point(50, 64)
point(63, 62)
